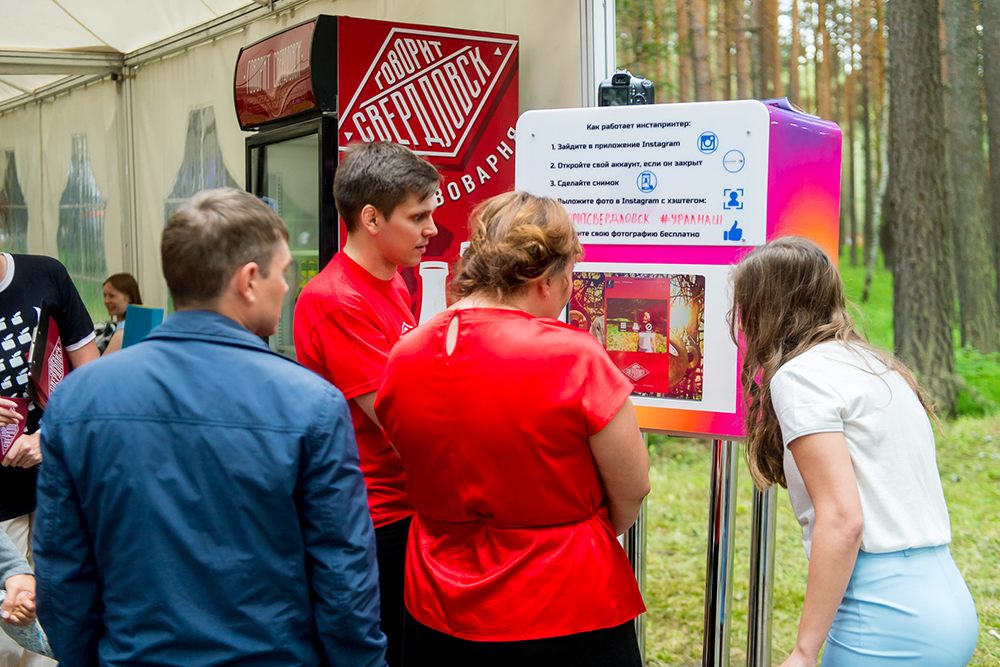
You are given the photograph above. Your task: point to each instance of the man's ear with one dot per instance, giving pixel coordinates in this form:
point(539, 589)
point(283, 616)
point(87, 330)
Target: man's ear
point(244, 282)
point(370, 219)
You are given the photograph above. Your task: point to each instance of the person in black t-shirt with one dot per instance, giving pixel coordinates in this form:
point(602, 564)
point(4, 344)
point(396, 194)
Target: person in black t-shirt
point(26, 281)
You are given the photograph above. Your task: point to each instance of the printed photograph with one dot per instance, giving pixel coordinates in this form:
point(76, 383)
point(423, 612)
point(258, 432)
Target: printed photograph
point(652, 325)
point(638, 314)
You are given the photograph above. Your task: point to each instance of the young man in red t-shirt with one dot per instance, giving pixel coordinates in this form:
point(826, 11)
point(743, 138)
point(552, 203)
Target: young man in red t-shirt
point(350, 315)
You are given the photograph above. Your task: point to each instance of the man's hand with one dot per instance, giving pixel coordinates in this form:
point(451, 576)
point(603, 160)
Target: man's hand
point(8, 415)
point(26, 452)
point(19, 607)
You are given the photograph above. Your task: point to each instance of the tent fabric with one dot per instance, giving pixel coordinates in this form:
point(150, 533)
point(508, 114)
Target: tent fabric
point(114, 26)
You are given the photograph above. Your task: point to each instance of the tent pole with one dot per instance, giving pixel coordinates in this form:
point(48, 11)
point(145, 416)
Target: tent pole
point(126, 171)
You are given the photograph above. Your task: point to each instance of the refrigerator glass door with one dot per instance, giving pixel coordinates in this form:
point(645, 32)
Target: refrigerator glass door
point(286, 174)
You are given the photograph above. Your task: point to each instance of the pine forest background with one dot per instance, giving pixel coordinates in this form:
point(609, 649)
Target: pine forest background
point(911, 85)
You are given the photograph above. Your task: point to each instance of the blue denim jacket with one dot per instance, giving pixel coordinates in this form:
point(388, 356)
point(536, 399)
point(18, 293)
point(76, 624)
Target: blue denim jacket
point(200, 503)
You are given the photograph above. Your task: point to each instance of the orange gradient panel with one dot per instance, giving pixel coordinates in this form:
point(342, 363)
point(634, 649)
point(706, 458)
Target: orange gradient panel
point(814, 214)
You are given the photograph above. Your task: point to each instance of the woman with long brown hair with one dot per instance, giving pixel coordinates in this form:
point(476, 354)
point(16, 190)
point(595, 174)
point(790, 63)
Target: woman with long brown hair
point(844, 427)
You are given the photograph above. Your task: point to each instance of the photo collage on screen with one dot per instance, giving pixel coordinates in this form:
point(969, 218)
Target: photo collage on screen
point(652, 326)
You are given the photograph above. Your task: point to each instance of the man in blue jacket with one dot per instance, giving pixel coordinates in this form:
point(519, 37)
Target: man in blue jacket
point(201, 501)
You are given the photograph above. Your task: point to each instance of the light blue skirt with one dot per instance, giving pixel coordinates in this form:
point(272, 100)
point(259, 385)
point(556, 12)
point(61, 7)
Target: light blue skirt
point(905, 608)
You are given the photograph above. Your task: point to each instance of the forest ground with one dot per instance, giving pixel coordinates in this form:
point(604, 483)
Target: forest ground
point(677, 516)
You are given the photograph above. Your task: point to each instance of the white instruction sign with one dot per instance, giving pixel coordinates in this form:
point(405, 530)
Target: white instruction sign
point(663, 174)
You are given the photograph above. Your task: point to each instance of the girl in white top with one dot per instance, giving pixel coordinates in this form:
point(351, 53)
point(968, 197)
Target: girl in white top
point(845, 428)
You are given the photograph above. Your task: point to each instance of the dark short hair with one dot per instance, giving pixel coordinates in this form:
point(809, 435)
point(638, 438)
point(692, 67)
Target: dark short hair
point(382, 174)
point(126, 284)
point(211, 236)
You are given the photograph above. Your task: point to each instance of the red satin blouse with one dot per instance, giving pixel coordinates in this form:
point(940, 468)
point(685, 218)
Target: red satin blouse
point(511, 540)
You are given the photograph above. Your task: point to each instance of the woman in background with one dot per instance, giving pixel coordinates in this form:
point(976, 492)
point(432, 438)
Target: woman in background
point(844, 427)
point(523, 459)
point(120, 290)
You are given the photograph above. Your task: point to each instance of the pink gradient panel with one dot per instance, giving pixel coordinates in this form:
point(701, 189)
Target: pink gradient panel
point(803, 199)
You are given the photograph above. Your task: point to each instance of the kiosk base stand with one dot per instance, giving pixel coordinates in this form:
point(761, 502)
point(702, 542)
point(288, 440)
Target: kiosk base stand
point(635, 548)
point(719, 567)
point(761, 578)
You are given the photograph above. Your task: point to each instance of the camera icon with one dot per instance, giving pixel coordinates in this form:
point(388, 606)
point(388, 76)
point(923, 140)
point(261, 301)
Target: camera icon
point(708, 142)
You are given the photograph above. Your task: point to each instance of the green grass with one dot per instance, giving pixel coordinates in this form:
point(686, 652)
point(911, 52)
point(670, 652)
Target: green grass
point(874, 318)
point(969, 461)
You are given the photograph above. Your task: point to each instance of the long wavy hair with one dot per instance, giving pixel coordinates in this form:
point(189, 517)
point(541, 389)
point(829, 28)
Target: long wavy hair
point(787, 298)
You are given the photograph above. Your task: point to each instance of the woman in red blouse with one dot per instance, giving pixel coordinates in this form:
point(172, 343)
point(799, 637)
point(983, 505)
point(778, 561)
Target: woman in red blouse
point(523, 459)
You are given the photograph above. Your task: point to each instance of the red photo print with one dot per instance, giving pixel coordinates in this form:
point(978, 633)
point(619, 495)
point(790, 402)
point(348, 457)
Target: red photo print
point(652, 326)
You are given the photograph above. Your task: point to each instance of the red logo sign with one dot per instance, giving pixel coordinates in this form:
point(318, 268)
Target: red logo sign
point(450, 96)
point(427, 90)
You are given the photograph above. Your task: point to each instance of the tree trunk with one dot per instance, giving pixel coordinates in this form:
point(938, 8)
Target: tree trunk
point(699, 40)
point(724, 42)
point(683, 52)
point(989, 15)
point(973, 241)
point(661, 70)
point(777, 87)
point(639, 29)
point(793, 58)
point(831, 57)
point(851, 104)
point(922, 292)
point(879, 93)
point(871, 244)
point(889, 216)
point(742, 57)
point(624, 54)
point(768, 53)
point(822, 62)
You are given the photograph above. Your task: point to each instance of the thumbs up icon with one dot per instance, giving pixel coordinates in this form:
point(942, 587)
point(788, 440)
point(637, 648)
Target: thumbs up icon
point(734, 234)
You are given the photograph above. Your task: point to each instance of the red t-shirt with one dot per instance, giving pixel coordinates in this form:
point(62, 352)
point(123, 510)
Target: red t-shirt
point(346, 321)
point(511, 540)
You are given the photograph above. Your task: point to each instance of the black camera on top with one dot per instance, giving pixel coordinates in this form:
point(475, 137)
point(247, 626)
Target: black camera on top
point(625, 89)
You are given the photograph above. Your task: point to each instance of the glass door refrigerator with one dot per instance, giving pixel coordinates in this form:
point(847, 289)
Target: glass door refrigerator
point(291, 158)
point(285, 167)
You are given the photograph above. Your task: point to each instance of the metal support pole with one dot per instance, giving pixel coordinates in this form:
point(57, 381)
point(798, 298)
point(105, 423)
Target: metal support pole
point(719, 567)
point(127, 177)
point(761, 578)
point(635, 547)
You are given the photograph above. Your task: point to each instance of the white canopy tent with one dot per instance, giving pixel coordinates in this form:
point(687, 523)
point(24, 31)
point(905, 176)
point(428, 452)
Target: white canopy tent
point(46, 45)
point(112, 111)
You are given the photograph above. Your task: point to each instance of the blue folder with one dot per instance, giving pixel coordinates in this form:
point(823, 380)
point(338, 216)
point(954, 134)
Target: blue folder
point(139, 321)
